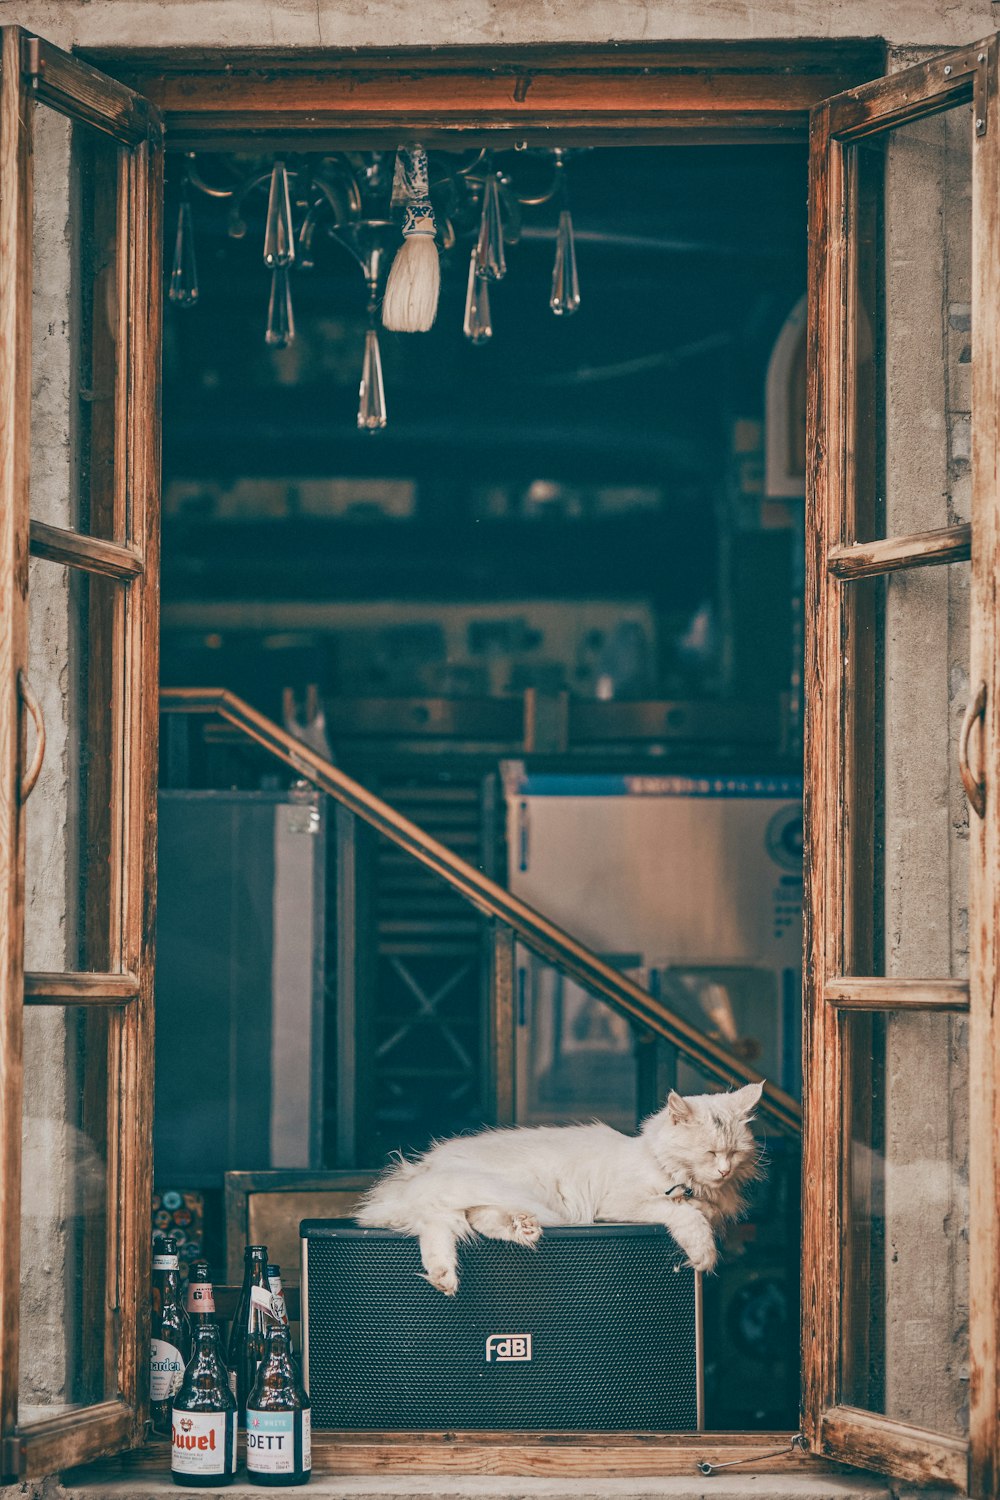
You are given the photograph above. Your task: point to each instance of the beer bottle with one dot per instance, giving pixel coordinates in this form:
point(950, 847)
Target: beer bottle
point(171, 1334)
point(254, 1315)
point(277, 1293)
point(278, 1418)
point(200, 1296)
point(203, 1437)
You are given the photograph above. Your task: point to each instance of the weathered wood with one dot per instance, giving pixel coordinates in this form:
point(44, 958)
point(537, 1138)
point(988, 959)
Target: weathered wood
point(76, 89)
point(984, 833)
point(923, 549)
point(583, 1455)
point(76, 550)
point(909, 1453)
point(138, 448)
point(76, 1438)
point(592, 94)
point(535, 929)
point(80, 989)
point(897, 994)
point(848, 59)
point(926, 88)
point(821, 1143)
point(15, 399)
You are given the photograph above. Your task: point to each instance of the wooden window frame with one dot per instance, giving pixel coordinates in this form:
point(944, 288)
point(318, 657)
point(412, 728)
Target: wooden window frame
point(836, 852)
point(30, 70)
point(641, 95)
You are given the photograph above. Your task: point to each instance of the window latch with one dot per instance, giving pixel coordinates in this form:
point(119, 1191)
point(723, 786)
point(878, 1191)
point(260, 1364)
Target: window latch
point(31, 58)
point(797, 1444)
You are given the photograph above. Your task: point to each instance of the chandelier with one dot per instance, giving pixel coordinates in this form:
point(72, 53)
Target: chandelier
point(391, 213)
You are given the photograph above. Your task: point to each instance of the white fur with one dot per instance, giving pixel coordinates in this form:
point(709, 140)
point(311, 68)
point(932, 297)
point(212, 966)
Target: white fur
point(511, 1184)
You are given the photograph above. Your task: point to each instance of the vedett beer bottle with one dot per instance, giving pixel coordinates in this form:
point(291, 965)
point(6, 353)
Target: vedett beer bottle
point(203, 1435)
point(171, 1334)
point(279, 1446)
point(200, 1295)
point(254, 1315)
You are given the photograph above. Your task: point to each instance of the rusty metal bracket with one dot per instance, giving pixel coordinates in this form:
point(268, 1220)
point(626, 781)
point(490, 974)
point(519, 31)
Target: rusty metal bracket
point(980, 92)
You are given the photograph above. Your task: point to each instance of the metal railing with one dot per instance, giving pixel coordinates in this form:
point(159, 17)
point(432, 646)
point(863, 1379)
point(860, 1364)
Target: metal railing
point(512, 918)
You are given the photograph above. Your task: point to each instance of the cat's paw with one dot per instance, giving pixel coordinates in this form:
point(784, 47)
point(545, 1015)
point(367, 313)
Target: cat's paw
point(702, 1251)
point(526, 1230)
point(704, 1262)
point(443, 1279)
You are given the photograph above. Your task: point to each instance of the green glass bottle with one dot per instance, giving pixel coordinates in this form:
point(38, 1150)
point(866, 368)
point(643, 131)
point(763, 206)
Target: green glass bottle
point(254, 1315)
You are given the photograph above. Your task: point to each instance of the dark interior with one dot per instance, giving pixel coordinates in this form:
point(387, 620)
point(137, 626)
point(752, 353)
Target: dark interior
point(560, 551)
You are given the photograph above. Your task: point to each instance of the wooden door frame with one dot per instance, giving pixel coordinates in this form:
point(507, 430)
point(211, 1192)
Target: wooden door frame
point(632, 94)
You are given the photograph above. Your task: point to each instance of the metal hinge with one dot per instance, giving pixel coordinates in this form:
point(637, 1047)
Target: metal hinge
point(31, 58)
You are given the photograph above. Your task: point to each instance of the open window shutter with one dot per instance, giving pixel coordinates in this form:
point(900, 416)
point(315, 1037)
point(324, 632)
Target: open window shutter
point(80, 188)
point(903, 780)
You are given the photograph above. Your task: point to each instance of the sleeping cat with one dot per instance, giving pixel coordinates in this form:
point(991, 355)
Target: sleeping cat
point(685, 1169)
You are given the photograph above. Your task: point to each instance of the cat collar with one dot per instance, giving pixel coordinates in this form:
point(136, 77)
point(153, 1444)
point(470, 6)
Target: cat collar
point(679, 1187)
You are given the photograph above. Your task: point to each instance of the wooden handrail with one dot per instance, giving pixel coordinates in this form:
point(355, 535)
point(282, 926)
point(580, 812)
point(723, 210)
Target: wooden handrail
point(532, 927)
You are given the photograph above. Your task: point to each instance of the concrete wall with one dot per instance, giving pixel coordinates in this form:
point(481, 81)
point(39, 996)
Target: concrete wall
point(399, 23)
point(56, 1160)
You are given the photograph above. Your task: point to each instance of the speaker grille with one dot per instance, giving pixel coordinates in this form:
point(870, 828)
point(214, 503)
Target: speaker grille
point(612, 1312)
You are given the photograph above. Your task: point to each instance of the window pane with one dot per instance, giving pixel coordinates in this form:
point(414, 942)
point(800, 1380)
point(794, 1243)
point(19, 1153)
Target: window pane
point(71, 826)
point(74, 356)
point(912, 329)
point(576, 1057)
point(905, 1290)
point(63, 1211)
point(909, 817)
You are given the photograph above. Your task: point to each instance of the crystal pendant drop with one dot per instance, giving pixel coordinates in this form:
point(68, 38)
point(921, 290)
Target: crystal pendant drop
point(565, 297)
point(184, 270)
point(280, 316)
point(279, 233)
point(490, 259)
point(478, 326)
point(371, 395)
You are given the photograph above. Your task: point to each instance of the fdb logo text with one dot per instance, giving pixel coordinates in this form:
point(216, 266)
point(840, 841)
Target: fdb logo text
point(508, 1347)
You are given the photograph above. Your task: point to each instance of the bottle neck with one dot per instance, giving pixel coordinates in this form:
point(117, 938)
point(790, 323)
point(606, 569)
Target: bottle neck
point(209, 1371)
point(255, 1268)
point(169, 1283)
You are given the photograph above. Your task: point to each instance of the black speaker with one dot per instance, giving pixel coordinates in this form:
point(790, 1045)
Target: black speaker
point(598, 1329)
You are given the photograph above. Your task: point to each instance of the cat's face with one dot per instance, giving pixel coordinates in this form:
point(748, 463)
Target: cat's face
point(708, 1136)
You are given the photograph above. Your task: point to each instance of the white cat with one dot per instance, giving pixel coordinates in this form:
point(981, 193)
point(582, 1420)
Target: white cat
point(685, 1169)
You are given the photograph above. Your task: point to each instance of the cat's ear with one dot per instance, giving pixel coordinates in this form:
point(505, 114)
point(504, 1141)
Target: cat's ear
point(678, 1109)
point(743, 1100)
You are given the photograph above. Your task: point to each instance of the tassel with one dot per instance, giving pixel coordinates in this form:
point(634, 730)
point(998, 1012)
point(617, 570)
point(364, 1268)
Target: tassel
point(411, 293)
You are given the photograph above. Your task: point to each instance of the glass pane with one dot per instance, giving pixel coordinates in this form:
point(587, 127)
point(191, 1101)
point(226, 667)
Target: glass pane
point(74, 354)
point(576, 1057)
point(73, 619)
point(905, 1292)
point(910, 818)
point(64, 1212)
point(912, 329)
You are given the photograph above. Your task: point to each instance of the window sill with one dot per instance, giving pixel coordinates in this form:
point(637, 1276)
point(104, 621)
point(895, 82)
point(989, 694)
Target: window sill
point(461, 1465)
